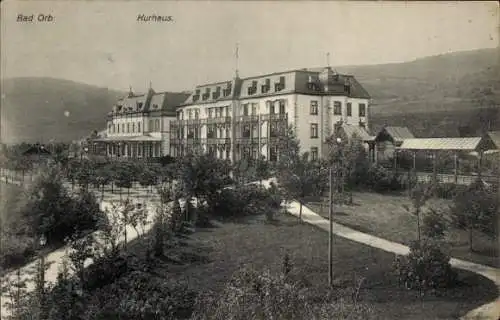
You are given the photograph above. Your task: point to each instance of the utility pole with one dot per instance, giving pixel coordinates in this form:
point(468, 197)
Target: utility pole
point(330, 233)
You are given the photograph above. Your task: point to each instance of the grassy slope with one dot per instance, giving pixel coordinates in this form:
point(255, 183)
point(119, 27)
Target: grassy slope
point(383, 215)
point(261, 245)
point(33, 109)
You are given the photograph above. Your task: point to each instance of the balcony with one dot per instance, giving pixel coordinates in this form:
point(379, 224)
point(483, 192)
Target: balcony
point(247, 141)
point(219, 120)
point(274, 117)
point(252, 118)
point(213, 141)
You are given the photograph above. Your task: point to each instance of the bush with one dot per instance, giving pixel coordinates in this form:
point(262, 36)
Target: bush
point(382, 180)
point(476, 207)
point(254, 295)
point(141, 295)
point(52, 212)
point(104, 271)
point(434, 225)
point(16, 249)
point(426, 267)
point(247, 200)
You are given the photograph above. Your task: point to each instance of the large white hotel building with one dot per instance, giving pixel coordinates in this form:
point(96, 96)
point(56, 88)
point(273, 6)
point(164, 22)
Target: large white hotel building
point(242, 117)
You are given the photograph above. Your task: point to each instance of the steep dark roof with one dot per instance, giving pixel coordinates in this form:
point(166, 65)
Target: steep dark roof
point(164, 102)
point(396, 134)
point(495, 137)
point(294, 81)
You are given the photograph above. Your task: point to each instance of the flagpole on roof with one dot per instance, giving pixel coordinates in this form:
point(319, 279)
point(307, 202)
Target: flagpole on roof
point(236, 60)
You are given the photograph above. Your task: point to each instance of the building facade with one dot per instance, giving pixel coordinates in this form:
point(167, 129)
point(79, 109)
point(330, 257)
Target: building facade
point(139, 125)
point(245, 117)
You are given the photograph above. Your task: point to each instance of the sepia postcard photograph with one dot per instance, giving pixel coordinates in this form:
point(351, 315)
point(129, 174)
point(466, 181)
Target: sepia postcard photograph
point(249, 160)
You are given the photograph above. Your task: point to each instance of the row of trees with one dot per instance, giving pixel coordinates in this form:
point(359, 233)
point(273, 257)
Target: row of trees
point(110, 287)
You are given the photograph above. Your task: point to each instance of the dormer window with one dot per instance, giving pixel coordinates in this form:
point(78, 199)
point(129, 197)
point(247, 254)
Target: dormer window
point(196, 97)
point(139, 105)
point(215, 95)
point(278, 87)
point(119, 108)
point(155, 106)
point(252, 90)
point(205, 96)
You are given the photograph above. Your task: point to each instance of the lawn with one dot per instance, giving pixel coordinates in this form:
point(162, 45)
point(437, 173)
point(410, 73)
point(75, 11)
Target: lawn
point(383, 215)
point(231, 245)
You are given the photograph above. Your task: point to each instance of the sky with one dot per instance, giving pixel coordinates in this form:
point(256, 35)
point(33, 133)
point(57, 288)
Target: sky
point(102, 43)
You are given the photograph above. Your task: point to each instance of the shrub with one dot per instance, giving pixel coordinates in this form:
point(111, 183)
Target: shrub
point(52, 212)
point(426, 267)
point(382, 180)
point(476, 208)
point(141, 295)
point(246, 200)
point(254, 295)
point(104, 271)
point(434, 224)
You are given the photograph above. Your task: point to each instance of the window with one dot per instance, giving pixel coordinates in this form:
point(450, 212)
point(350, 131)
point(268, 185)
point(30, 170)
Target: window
point(337, 108)
point(114, 128)
point(196, 114)
point(314, 153)
point(138, 127)
point(133, 127)
point(190, 114)
point(255, 132)
point(245, 109)
point(109, 128)
point(349, 109)
point(314, 130)
point(210, 132)
point(150, 125)
point(246, 131)
point(210, 113)
point(271, 108)
point(123, 127)
point(157, 125)
point(282, 106)
point(155, 106)
point(254, 108)
point(273, 130)
point(314, 108)
point(128, 127)
point(362, 110)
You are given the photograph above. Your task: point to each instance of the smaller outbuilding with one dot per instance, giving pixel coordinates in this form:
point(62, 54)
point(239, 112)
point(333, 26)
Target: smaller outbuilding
point(383, 146)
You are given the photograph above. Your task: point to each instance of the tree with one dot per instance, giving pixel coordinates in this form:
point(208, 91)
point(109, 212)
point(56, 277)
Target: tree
point(85, 172)
point(348, 157)
point(102, 177)
point(202, 176)
point(50, 210)
point(297, 174)
point(262, 169)
point(434, 226)
point(476, 208)
point(419, 196)
point(81, 249)
point(124, 174)
point(148, 176)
